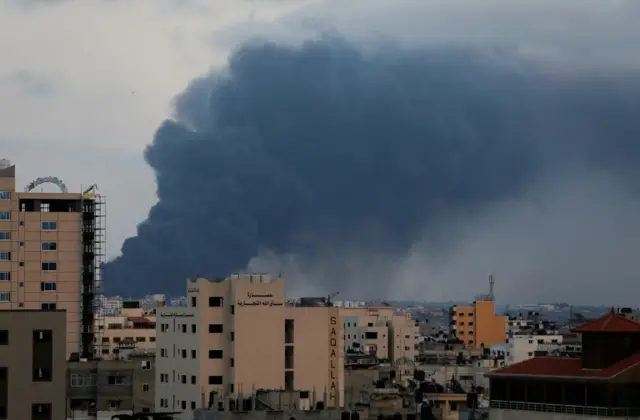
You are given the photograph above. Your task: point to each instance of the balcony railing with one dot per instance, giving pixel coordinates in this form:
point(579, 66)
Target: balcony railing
point(566, 409)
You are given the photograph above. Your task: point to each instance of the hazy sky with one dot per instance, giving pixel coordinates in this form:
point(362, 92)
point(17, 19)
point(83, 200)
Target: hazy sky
point(85, 84)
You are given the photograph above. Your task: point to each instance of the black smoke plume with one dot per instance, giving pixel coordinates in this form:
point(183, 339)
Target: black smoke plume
point(326, 151)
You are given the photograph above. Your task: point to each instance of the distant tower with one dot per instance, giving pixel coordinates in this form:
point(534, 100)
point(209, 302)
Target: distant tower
point(491, 283)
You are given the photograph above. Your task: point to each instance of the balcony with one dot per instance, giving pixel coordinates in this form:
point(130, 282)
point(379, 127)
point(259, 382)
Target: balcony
point(577, 410)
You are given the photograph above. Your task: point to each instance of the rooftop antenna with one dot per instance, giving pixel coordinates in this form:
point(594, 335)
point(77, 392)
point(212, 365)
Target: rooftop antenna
point(491, 283)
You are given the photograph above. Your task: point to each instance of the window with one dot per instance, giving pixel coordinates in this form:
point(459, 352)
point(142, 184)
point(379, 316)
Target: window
point(41, 412)
point(215, 354)
point(215, 380)
point(5, 256)
point(5, 236)
point(49, 246)
point(5, 296)
point(41, 375)
point(193, 328)
point(232, 362)
point(5, 195)
point(193, 379)
point(4, 337)
point(215, 328)
point(371, 335)
point(45, 207)
point(193, 354)
point(48, 286)
point(5, 275)
point(184, 328)
point(114, 403)
point(145, 387)
point(233, 309)
point(194, 301)
point(233, 336)
point(163, 352)
point(184, 379)
point(49, 266)
point(48, 306)
point(49, 225)
point(117, 380)
point(183, 405)
point(79, 380)
point(5, 215)
point(215, 301)
point(184, 354)
point(193, 405)
point(231, 388)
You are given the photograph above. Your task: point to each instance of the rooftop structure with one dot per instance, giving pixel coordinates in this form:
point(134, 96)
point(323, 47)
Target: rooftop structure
point(602, 383)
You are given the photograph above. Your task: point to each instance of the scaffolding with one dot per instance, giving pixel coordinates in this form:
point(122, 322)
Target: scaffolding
point(93, 256)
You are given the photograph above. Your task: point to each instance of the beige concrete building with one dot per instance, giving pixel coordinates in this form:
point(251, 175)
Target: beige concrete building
point(382, 332)
point(32, 364)
point(50, 250)
point(132, 329)
point(238, 335)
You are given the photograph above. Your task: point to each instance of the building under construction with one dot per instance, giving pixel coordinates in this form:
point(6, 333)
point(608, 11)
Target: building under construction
point(52, 245)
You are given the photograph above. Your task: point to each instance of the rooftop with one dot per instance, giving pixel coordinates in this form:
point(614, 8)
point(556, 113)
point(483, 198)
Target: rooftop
point(564, 367)
point(611, 322)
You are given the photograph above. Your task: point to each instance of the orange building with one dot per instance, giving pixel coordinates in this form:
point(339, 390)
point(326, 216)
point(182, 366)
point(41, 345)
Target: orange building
point(477, 325)
point(238, 335)
point(51, 245)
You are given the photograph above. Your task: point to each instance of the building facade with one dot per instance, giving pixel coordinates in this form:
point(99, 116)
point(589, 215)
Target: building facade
point(102, 388)
point(521, 347)
point(32, 364)
point(51, 245)
point(380, 331)
point(236, 336)
point(133, 328)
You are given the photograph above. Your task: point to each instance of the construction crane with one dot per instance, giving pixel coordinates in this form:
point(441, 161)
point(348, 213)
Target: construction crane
point(330, 298)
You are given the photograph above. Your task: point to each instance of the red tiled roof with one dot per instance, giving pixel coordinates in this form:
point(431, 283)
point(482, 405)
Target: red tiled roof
point(611, 322)
point(564, 367)
point(140, 320)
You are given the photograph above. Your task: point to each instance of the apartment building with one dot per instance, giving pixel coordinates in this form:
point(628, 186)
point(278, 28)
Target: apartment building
point(103, 388)
point(380, 331)
point(238, 335)
point(132, 328)
point(477, 325)
point(521, 347)
point(51, 246)
point(32, 364)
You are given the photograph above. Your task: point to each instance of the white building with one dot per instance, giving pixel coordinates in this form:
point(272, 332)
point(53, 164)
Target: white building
point(523, 347)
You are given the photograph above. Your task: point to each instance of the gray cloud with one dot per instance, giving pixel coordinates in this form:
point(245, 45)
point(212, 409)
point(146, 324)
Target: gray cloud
point(30, 83)
point(381, 171)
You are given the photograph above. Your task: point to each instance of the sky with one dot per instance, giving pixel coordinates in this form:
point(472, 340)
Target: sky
point(85, 85)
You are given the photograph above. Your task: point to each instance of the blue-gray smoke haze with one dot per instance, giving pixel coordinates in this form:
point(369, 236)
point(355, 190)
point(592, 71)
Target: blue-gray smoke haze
point(326, 150)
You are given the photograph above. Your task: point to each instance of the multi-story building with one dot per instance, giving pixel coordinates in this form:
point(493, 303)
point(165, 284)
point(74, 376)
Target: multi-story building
point(102, 388)
point(380, 331)
point(521, 347)
point(132, 328)
point(238, 335)
point(51, 245)
point(603, 383)
point(32, 364)
point(477, 325)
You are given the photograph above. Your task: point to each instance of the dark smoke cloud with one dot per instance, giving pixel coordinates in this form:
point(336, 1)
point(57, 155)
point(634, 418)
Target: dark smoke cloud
point(335, 155)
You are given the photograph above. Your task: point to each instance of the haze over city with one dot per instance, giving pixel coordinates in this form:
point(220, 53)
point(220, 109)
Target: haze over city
point(399, 149)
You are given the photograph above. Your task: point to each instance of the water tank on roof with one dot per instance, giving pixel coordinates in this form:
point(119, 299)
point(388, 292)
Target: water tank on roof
point(5, 163)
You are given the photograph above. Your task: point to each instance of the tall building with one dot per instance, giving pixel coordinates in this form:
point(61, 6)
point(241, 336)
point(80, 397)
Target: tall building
point(238, 335)
point(51, 247)
point(32, 364)
point(477, 325)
